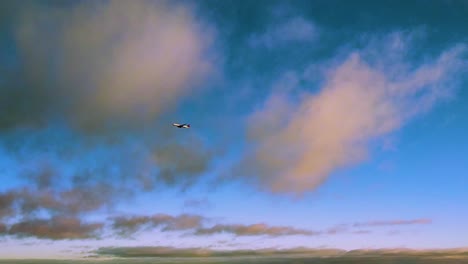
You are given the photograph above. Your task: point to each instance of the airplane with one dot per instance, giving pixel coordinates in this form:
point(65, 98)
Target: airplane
point(181, 125)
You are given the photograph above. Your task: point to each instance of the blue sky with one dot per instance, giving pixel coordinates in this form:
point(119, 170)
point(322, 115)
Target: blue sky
point(319, 124)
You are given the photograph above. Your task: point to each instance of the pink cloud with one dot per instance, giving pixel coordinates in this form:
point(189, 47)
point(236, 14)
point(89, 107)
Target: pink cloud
point(297, 143)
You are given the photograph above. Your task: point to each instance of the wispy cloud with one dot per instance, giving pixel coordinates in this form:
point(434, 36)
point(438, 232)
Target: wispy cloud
point(62, 226)
point(129, 225)
point(197, 225)
point(27, 202)
point(362, 232)
point(197, 203)
point(356, 228)
point(421, 221)
point(255, 230)
point(291, 30)
point(296, 142)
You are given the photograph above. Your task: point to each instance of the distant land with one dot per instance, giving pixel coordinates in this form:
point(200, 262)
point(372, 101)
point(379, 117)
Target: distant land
point(160, 255)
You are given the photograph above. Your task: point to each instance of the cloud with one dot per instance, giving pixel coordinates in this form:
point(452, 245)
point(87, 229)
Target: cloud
point(6, 204)
point(3, 229)
point(66, 202)
point(77, 177)
point(105, 64)
point(421, 221)
point(296, 29)
point(197, 203)
point(126, 226)
point(82, 101)
point(55, 228)
point(356, 228)
point(362, 232)
point(255, 230)
point(196, 225)
point(206, 252)
point(297, 141)
point(75, 201)
point(181, 161)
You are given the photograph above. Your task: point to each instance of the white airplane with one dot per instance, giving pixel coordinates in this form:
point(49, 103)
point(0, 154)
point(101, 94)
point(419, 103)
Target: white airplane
point(181, 125)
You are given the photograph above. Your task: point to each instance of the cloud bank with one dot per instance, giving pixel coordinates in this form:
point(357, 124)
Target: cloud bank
point(294, 255)
point(206, 252)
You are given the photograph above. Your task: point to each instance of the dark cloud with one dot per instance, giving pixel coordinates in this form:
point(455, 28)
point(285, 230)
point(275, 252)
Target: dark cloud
point(55, 228)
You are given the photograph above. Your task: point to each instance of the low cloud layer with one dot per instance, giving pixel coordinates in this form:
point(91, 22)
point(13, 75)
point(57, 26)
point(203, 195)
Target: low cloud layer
point(298, 141)
point(296, 255)
point(206, 252)
point(67, 224)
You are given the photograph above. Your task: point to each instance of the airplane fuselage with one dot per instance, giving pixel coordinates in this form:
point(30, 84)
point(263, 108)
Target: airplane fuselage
point(181, 125)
